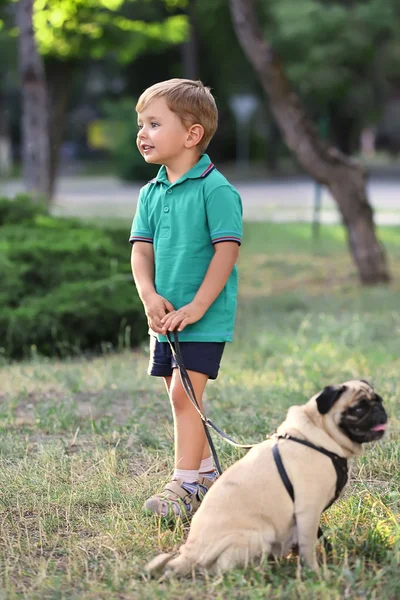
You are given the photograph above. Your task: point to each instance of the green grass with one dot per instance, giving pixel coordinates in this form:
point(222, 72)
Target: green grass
point(84, 442)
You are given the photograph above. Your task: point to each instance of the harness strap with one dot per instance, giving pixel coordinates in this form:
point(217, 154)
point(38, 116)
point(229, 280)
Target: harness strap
point(288, 485)
point(282, 471)
point(331, 455)
point(339, 462)
point(342, 474)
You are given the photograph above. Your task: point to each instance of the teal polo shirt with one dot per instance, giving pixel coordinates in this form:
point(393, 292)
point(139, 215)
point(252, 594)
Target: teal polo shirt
point(183, 221)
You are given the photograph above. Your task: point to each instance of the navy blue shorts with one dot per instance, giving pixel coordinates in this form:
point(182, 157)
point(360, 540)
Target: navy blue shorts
point(202, 357)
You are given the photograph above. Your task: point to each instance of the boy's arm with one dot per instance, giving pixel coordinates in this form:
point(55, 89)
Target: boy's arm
point(142, 263)
point(218, 272)
point(155, 306)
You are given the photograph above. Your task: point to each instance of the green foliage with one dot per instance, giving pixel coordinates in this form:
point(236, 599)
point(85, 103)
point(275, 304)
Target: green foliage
point(341, 58)
point(336, 51)
point(217, 34)
point(21, 210)
point(93, 28)
point(121, 135)
point(64, 286)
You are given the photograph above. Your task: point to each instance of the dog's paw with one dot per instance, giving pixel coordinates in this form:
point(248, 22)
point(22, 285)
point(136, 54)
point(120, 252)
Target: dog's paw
point(157, 565)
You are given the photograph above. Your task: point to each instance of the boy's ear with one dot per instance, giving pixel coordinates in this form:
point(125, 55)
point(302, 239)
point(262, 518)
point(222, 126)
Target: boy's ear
point(195, 135)
point(328, 397)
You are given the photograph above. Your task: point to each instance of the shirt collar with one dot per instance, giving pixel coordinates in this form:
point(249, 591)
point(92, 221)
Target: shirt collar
point(201, 169)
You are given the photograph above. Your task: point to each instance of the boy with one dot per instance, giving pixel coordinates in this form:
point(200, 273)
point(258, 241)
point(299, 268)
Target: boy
point(186, 235)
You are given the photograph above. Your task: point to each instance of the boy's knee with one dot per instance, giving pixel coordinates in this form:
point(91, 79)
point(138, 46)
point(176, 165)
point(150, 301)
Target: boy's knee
point(179, 398)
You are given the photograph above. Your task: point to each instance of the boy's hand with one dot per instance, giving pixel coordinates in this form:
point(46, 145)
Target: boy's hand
point(178, 319)
point(156, 307)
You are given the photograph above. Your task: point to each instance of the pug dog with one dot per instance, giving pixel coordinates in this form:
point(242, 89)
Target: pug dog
point(272, 499)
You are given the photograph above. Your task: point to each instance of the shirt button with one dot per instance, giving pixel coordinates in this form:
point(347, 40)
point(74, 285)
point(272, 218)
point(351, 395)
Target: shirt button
point(169, 191)
point(166, 209)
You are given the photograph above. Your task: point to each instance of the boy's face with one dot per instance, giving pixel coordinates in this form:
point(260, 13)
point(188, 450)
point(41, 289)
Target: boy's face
point(162, 137)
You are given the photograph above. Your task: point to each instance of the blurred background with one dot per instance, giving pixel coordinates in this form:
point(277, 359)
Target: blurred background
point(342, 58)
point(70, 74)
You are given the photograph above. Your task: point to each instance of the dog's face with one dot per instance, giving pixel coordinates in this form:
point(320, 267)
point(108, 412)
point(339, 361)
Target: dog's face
point(355, 409)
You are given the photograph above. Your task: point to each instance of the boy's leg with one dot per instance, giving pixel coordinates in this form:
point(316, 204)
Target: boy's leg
point(206, 466)
point(183, 495)
point(190, 437)
point(206, 459)
point(167, 382)
point(206, 451)
point(200, 358)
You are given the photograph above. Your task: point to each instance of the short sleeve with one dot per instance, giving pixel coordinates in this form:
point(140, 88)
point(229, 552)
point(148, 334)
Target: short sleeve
point(224, 215)
point(141, 231)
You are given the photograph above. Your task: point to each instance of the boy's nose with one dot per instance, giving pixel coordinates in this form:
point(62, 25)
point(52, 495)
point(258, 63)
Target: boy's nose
point(142, 133)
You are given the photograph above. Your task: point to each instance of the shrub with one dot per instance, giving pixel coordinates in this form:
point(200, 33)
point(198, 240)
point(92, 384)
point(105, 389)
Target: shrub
point(65, 286)
point(22, 209)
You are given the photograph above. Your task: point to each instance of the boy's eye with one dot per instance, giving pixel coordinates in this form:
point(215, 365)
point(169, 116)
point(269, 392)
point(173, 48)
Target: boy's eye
point(154, 124)
point(140, 127)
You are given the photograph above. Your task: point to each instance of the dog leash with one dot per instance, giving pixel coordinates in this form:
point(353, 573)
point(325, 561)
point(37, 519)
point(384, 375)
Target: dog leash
point(188, 387)
point(207, 424)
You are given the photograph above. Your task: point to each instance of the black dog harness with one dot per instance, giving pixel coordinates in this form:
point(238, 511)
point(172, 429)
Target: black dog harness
point(339, 463)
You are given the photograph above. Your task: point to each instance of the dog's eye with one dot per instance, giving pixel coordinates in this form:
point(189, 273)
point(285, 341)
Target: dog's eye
point(357, 410)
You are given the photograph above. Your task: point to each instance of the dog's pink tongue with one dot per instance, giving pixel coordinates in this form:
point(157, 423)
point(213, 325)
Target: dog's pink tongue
point(380, 427)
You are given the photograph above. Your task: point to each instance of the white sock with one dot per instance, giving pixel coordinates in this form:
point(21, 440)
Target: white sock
point(207, 465)
point(186, 475)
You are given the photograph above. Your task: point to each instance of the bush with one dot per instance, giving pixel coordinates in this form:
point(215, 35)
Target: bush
point(65, 286)
point(21, 210)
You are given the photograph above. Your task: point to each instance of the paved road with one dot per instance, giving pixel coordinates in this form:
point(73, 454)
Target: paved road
point(281, 200)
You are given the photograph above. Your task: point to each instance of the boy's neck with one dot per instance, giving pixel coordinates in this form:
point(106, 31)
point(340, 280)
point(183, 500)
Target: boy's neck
point(175, 169)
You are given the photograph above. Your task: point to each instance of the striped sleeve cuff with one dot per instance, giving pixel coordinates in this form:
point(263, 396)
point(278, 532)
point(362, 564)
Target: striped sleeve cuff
point(140, 237)
point(226, 236)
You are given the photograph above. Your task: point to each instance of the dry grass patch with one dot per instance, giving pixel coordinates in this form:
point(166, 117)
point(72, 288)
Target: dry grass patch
point(83, 442)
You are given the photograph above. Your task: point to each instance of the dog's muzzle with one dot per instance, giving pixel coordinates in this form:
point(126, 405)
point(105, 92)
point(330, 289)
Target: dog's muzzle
point(365, 422)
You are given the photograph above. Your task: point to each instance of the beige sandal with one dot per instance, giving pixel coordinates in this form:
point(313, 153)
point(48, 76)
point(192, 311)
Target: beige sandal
point(207, 483)
point(174, 501)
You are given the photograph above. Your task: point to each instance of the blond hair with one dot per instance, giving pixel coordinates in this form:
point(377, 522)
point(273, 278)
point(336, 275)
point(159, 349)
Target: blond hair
point(190, 100)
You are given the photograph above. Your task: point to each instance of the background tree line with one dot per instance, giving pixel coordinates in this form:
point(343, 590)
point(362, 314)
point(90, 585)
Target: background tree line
point(339, 57)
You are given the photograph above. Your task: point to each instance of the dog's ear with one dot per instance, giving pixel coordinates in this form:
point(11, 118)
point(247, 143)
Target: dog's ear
point(367, 382)
point(328, 397)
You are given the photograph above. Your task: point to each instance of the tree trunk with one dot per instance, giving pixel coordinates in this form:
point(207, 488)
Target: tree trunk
point(189, 49)
point(5, 141)
point(59, 79)
point(345, 178)
point(344, 130)
point(35, 118)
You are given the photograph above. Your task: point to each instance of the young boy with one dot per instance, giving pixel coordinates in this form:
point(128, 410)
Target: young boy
point(186, 235)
